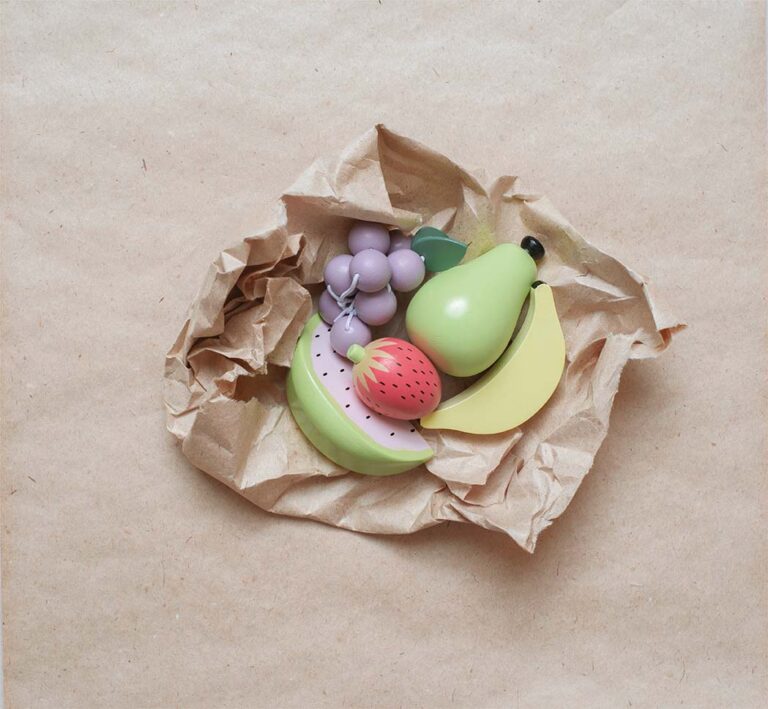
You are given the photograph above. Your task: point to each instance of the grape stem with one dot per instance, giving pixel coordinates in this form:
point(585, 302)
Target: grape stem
point(345, 301)
point(352, 287)
point(349, 311)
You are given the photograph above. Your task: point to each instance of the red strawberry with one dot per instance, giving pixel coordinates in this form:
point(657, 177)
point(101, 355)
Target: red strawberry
point(395, 379)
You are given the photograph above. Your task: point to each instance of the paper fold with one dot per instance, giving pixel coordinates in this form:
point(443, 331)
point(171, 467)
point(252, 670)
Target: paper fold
point(225, 374)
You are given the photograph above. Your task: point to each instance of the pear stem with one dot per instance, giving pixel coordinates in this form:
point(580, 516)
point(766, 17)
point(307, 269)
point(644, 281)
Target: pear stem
point(533, 246)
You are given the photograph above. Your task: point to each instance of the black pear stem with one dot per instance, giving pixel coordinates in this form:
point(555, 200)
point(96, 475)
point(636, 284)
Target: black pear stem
point(533, 246)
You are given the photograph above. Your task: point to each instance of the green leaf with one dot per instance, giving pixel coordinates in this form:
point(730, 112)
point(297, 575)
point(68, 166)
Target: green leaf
point(440, 252)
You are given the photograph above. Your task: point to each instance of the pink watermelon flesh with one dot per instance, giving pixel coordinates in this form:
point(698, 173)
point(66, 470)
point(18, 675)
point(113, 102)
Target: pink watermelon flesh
point(335, 374)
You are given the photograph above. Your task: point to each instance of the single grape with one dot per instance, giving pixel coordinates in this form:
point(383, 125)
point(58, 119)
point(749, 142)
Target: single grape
point(368, 235)
point(373, 269)
point(337, 274)
point(398, 240)
point(376, 308)
point(407, 270)
point(328, 307)
point(342, 338)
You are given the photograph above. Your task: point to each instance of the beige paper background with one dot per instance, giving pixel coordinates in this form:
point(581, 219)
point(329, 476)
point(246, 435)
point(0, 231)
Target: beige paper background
point(140, 138)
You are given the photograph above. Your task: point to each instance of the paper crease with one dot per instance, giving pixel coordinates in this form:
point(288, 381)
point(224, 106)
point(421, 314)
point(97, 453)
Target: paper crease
point(224, 375)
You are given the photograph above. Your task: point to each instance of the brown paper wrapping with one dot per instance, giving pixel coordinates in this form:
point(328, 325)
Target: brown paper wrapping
point(224, 376)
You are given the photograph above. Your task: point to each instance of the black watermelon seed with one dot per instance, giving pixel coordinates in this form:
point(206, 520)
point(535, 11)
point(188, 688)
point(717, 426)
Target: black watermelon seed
point(415, 371)
point(394, 386)
point(346, 406)
point(346, 389)
point(402, 397)
point(317, 335)
point(421, 401)
point(421, 391)
point(408, 358)
point(400, 348)
point(317, 355)
point(392, 434)
point(368, 416)
point(408, 385)
point(412, 430)
point(325, 374)
point(342, 370)
point(413, 396)
point(400, 375)
point(421, 361)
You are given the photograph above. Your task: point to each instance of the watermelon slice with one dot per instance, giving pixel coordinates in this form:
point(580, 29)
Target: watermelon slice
point(322, 399)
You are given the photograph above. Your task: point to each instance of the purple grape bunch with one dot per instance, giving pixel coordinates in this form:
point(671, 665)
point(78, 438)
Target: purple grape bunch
point(359, 286)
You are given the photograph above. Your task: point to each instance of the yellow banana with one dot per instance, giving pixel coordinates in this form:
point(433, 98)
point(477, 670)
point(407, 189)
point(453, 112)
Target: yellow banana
point(520, 382)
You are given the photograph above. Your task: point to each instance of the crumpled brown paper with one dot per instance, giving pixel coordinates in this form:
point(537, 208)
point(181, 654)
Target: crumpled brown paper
point(224, 376)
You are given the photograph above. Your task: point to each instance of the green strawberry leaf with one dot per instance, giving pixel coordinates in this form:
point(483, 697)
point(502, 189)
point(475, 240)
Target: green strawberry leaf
point(439, 251)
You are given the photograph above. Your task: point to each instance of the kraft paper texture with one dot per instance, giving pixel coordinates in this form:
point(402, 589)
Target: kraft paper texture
point(139, 140)
point(225, 374)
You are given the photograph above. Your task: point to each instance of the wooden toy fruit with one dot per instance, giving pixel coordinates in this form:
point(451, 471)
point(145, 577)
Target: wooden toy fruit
point(463, 318)
point(520, 382)
point(326, 408)
point(394, 378)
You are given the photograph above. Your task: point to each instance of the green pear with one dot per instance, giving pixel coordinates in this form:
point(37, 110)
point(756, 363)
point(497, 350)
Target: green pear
point(463, 318)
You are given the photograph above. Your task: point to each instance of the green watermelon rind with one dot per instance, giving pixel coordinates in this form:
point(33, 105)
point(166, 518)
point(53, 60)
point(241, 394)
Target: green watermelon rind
point(329, 429)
